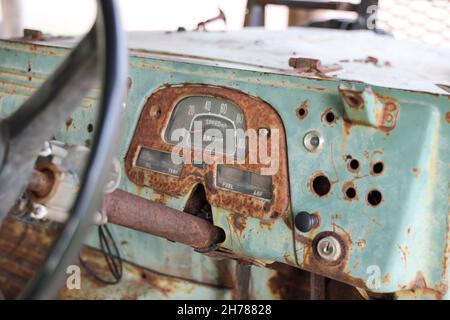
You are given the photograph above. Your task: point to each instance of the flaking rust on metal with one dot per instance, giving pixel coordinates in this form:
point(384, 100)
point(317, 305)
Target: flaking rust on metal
point(135, 284)
point(24, 247)
point(293, 283)
point(239, 222)
point(418, 288)
point(41, 182)
point(140, 214)
point(69, 123)
point(225, 253)
point(368, 108)
point(337, 270)
point(447, 117)
point(289, 282)
point(314, 66)
point(257, 114)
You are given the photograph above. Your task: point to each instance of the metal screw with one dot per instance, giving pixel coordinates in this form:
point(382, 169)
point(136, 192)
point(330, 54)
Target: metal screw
point(40, 211)
point(264, 132)
point(313, 141)
point(329, 248)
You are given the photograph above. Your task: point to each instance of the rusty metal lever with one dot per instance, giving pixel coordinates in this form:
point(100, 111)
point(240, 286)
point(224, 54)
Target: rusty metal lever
point(128, 210)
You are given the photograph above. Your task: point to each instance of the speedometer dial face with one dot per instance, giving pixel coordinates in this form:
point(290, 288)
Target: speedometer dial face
point(233, 177)
point(209, 123)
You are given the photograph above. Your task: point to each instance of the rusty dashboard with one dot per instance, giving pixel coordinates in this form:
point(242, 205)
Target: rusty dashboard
point(267, 197)
point(359, 192)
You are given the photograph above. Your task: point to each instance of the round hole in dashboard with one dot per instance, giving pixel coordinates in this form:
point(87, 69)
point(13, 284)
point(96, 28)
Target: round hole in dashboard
point(374, 197)
point(221, 236)
point(350, 193)
point(302, 112)
point(321, 185)
point(353, 165)
point(377, 168)
point(330, 117)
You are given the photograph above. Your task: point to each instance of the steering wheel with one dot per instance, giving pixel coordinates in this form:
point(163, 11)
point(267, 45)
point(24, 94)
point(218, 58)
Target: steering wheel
point(100, 55)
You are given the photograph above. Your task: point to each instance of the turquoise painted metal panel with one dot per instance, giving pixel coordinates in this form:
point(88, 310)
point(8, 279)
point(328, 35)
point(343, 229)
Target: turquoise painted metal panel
point(403, 241)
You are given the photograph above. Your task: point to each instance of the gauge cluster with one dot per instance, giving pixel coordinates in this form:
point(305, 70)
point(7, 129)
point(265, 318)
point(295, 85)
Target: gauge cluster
point(215, 117)
point(198, 134)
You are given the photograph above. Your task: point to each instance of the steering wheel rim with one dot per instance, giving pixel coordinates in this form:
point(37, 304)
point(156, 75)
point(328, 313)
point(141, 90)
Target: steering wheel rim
point(101, 54)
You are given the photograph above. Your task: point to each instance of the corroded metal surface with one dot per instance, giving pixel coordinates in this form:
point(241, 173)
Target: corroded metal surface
point(138, 283)
point(23, 248)
point(406, 234)
point(257, 114)
point(40, 183)
point(134, 212)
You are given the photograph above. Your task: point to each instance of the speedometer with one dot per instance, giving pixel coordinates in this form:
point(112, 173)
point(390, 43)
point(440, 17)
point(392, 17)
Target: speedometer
point(208, 121)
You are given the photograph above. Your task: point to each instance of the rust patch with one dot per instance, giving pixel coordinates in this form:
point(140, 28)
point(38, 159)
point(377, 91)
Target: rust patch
point(386, 278)
point(147, 216)
point(302, 239)
point(258, 114)
point(347, 126)
point(266, 224)
point(23, 248)
point(386, 99)
point(239, 222)
point(290, 261)
point(361, 243)
point(418, 293)
point(302, 111)
point(41, 182)
point(135, 284)
point(409, 231)
point(380, 152)
point(416, 172)
point(419, 282)
point(353, 99)
point(129, 83)
point(388, 117)
point(165, 286)
point(69, 123)
point(289, 282)
point(447, 116)
point(405, 253)
point(337, 271)
point(287, 219)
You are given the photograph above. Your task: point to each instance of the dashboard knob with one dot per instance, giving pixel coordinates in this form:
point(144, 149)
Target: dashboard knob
point(305, 221)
